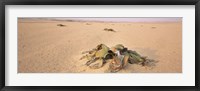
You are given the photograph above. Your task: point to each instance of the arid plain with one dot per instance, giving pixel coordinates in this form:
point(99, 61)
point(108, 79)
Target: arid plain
point(44, 47)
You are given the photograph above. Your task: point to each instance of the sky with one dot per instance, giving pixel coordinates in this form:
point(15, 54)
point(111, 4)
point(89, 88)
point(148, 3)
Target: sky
point(117, 19)
point(139, 19)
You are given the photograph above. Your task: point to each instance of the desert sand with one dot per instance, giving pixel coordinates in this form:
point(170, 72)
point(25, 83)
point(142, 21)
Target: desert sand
point(44, 47)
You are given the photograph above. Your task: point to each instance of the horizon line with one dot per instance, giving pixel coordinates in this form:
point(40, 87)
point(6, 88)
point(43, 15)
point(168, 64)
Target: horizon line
point(117, 20)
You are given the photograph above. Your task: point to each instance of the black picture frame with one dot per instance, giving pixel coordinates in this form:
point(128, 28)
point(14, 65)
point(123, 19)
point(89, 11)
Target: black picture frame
point(3, 3)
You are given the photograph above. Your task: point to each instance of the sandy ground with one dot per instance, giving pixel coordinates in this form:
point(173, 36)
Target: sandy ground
point(44, 47)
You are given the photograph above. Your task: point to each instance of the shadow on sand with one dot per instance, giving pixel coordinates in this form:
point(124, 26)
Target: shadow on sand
point(150, 54)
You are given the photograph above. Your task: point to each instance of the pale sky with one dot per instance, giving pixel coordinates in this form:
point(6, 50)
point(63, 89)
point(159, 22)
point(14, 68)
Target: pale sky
point(133, 19)
point(139, 19)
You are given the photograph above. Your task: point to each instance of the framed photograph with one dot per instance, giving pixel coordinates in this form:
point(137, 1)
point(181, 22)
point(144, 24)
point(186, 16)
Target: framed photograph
point(100, 45)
